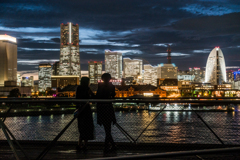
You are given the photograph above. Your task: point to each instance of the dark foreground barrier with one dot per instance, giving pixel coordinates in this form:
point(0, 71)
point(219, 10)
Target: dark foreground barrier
point(174, 122)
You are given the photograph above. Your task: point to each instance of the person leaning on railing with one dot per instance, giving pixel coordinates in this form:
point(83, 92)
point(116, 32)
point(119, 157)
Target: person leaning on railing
point(105, 111)
point(85, 119)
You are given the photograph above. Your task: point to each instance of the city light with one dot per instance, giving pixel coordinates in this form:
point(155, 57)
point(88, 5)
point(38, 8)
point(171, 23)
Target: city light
point(8, 38)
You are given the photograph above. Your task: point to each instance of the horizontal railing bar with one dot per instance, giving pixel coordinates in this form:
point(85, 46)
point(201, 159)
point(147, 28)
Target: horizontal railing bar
point(149, 100)
point(174, 154)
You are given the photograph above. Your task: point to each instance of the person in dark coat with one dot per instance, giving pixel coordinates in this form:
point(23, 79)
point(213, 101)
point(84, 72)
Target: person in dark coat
point(85, 120)
point(105, 111)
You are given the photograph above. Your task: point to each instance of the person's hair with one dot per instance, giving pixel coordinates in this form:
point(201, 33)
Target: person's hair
point(84, 81)
point(106, 77)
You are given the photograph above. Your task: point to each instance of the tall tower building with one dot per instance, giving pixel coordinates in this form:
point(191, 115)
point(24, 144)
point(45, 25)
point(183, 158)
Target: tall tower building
point(150, 74)
point(8, 59)
point(69, 50)
point(215, 68)
point(132, 68)
point(55, 69)
point(169, 55)
point(44, 76)
point(94, 71)
point(113, 64)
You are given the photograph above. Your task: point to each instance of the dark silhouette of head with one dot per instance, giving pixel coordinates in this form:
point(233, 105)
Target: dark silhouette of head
point(106, 77)
point(85, 81)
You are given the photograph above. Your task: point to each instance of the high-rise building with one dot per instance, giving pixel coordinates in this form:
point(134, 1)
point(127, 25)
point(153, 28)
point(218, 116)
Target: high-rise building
point(236, 75)
point(167, 71)
point(198, 73)
point(69, 50)
point(150, 74)
point(94, 71)
point(19, 79)
point(27, 81)
point(8, 59)
point(113, 64)
point(55, 69)
point(44, 76)
point(133, 68)
point(230, 76)
point(215, 68)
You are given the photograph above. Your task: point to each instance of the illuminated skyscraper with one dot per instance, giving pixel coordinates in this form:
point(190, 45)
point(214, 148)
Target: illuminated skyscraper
point(132, 68)
point(94, 71)
point(150, 74)
point(55, 69)
point(8, 59)
point(198, 73)
point(27, 81)
point(113, 64)
point(215, 68)
point(44, 76)
point(167, 71)
point(69, 50)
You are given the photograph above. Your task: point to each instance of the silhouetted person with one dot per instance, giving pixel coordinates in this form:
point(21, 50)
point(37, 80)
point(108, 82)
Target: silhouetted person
point(85, 120)
point(105, 111)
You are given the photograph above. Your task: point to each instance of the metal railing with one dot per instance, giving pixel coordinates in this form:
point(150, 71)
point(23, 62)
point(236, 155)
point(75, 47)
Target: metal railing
point(132, 127)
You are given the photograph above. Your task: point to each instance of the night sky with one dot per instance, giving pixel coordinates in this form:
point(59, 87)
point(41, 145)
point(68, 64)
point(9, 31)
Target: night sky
point(137, 28)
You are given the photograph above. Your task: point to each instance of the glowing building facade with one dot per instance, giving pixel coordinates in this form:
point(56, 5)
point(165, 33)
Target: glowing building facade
point(69, 50)
point(215, 68)
point(167, 71)
point(8, 59)
point(27, 81)
point(198, 73)
point(150, 74)
point(133, 68)
point(44, 76)
point(94, 71)
point(55, 68)
point(113, 64)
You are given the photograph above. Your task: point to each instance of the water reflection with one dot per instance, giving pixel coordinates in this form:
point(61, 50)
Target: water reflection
point(168, 127)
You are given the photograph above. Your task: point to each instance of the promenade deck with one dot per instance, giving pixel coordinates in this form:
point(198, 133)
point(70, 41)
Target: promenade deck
point(67, 150)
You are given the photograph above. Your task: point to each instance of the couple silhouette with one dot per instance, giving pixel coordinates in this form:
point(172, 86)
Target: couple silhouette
point(105, 112)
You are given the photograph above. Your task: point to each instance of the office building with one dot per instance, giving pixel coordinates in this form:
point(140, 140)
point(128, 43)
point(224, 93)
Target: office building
point(27, 81)
point(113, 64)
point(236, 75)
point(55, 68)
point(94, 71)
point(150, 74)
point(230, 76)
point(133, 68)
point(44, 76)
point(167, 71)
point(69, 50)
point(19, 80)
point(186, 78)
point(8, 59)
point(198, 73)
point(215, 68)
point(63, 81)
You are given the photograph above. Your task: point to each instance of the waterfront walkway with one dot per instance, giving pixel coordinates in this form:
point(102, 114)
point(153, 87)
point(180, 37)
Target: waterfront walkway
point(67, 150)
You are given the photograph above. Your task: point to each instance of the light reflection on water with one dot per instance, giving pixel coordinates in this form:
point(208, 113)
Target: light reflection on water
point(168, 127)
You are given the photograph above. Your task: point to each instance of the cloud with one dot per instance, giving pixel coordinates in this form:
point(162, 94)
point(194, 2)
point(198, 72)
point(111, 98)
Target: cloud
point(212, 10)
point(162, 44)
point(202, 51)
point(30, 29)
point(173, 54)
point(38, 49)
point(129, 52)
point(35, 61)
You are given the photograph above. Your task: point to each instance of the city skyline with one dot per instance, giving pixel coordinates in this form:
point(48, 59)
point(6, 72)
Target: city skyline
point(192, 29)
